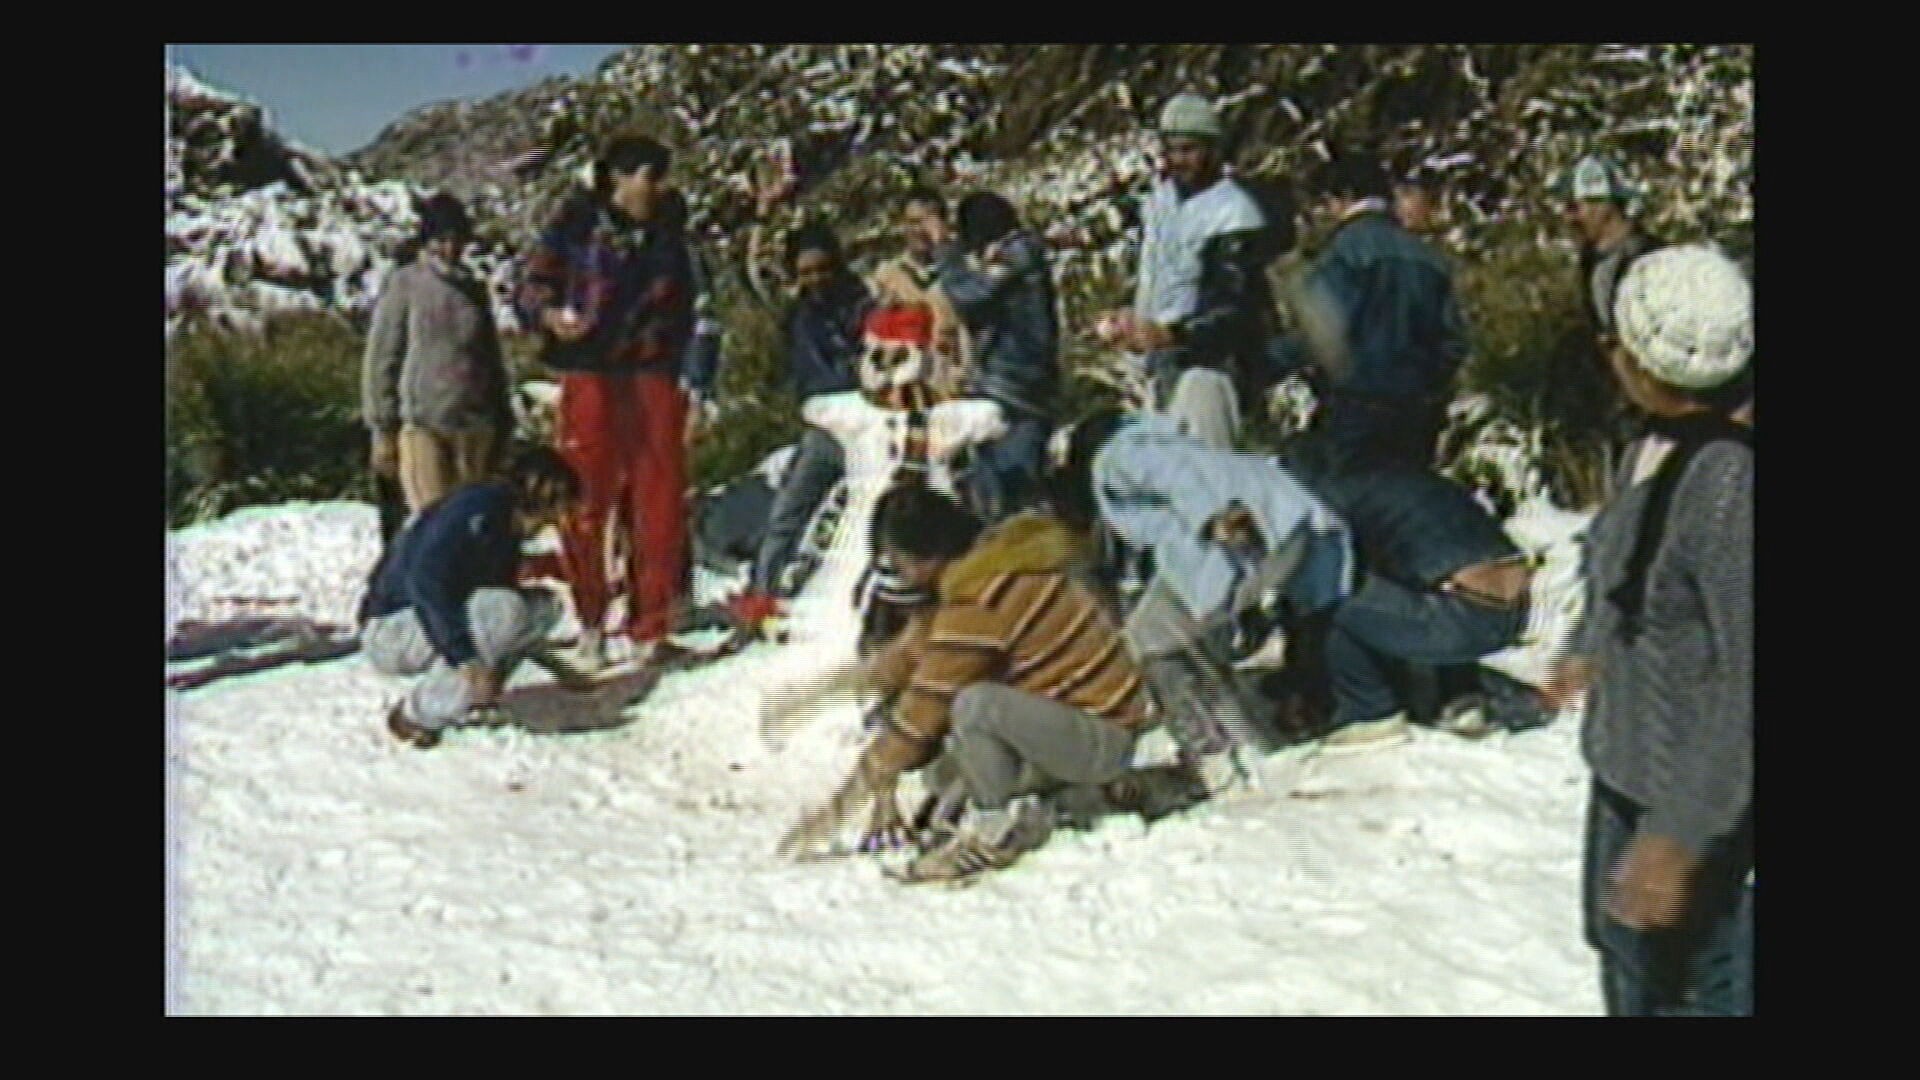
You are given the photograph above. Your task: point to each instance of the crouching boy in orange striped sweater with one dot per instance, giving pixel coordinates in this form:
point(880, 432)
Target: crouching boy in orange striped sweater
point(1017, 672)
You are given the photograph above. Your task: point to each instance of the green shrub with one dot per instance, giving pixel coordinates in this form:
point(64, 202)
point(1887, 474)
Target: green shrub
point(255, 418)
point(1535, 359)
point(758, 412)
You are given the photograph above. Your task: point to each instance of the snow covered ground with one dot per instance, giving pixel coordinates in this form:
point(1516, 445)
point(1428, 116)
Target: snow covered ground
point(319, 867)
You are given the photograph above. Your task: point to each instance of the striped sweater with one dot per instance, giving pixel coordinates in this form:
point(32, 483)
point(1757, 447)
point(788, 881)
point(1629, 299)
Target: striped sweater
point(1011, 612)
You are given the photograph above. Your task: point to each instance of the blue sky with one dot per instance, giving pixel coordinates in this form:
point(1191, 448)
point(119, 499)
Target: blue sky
point(336, 98)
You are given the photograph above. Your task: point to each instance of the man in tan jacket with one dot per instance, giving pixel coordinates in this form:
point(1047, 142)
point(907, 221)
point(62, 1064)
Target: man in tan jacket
point(435, 384)
point(1016, 671)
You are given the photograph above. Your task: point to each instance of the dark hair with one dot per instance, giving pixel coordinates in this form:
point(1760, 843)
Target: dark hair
point(542, 479)
point(627, 153)
point(813, 236)
point(1280, 207)
point(443, 215)
point(921, 193)
point(1070, 485)
point(916, 520)
point(984, 217)
point(1352, 174)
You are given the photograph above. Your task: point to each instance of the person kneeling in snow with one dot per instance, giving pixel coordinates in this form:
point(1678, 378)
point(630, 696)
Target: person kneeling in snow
point(1442, 584)
point(1225, 531)
point(443, 601)
point(1017, 670)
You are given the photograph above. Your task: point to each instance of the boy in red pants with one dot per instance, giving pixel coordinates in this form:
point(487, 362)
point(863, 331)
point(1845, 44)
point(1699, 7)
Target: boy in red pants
point(609, 287)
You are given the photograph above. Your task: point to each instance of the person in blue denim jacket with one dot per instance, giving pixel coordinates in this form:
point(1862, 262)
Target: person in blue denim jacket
point(1381, 332)
point(1004, 295)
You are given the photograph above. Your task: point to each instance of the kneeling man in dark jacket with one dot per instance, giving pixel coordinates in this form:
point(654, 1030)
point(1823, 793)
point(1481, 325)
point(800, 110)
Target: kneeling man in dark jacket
point(444, 599)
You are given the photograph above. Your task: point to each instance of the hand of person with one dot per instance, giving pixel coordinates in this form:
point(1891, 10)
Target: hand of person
point(770, 191)
point(1114, 327)
point(891, 285)
point(564, 323)
point(1651, 884)
point(696, 420)
point(1147, 336)
point(483, 685)
point(384, 456)
point(1234, 527)
point(1567, 682)
point(886, 829)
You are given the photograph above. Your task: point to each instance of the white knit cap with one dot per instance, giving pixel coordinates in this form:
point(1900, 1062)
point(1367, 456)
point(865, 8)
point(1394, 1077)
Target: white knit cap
point(1189, 114)
point(1686, 315)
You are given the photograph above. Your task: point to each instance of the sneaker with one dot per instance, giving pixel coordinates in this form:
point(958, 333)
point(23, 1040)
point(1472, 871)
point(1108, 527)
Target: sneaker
point(404, 729)
point(1467, 716)
point(752, 608)
point(1270, 656)
point(939, 816)
point(1218, 772)
point(1368, 735)
point(985, 840)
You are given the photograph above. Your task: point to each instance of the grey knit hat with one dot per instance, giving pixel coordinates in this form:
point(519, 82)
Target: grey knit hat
point(1686, 315)
point(1190, 114)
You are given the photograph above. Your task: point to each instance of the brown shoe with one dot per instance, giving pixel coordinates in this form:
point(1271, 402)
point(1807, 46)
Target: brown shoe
point(420, 738)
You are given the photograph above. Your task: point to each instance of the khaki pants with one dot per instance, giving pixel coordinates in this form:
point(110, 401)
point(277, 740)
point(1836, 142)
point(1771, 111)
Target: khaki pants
point(433, 463)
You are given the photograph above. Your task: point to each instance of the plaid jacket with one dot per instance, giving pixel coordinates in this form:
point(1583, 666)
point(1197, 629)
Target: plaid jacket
point(633, 284)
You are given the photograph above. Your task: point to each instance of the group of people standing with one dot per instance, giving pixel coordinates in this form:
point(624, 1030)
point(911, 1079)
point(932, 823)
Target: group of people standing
point(1089, 579)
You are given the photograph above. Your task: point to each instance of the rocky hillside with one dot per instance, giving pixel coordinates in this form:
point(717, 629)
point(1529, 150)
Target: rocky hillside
point(1059, 127)
point(256, 224)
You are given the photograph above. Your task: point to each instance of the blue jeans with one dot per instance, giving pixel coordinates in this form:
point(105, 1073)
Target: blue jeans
point(1704, 967)
point(818, 464)
point(1384, 624)
point(1005, 474)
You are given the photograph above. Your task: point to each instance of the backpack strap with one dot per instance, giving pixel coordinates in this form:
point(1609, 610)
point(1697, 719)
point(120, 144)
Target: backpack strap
point(1691, 435)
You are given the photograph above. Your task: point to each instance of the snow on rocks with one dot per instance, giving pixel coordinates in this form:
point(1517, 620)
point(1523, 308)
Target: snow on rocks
point(244, 204)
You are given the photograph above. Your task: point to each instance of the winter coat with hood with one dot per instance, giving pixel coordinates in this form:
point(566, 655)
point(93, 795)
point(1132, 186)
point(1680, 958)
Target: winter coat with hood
point(1010, 611)
point(1008, 306)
